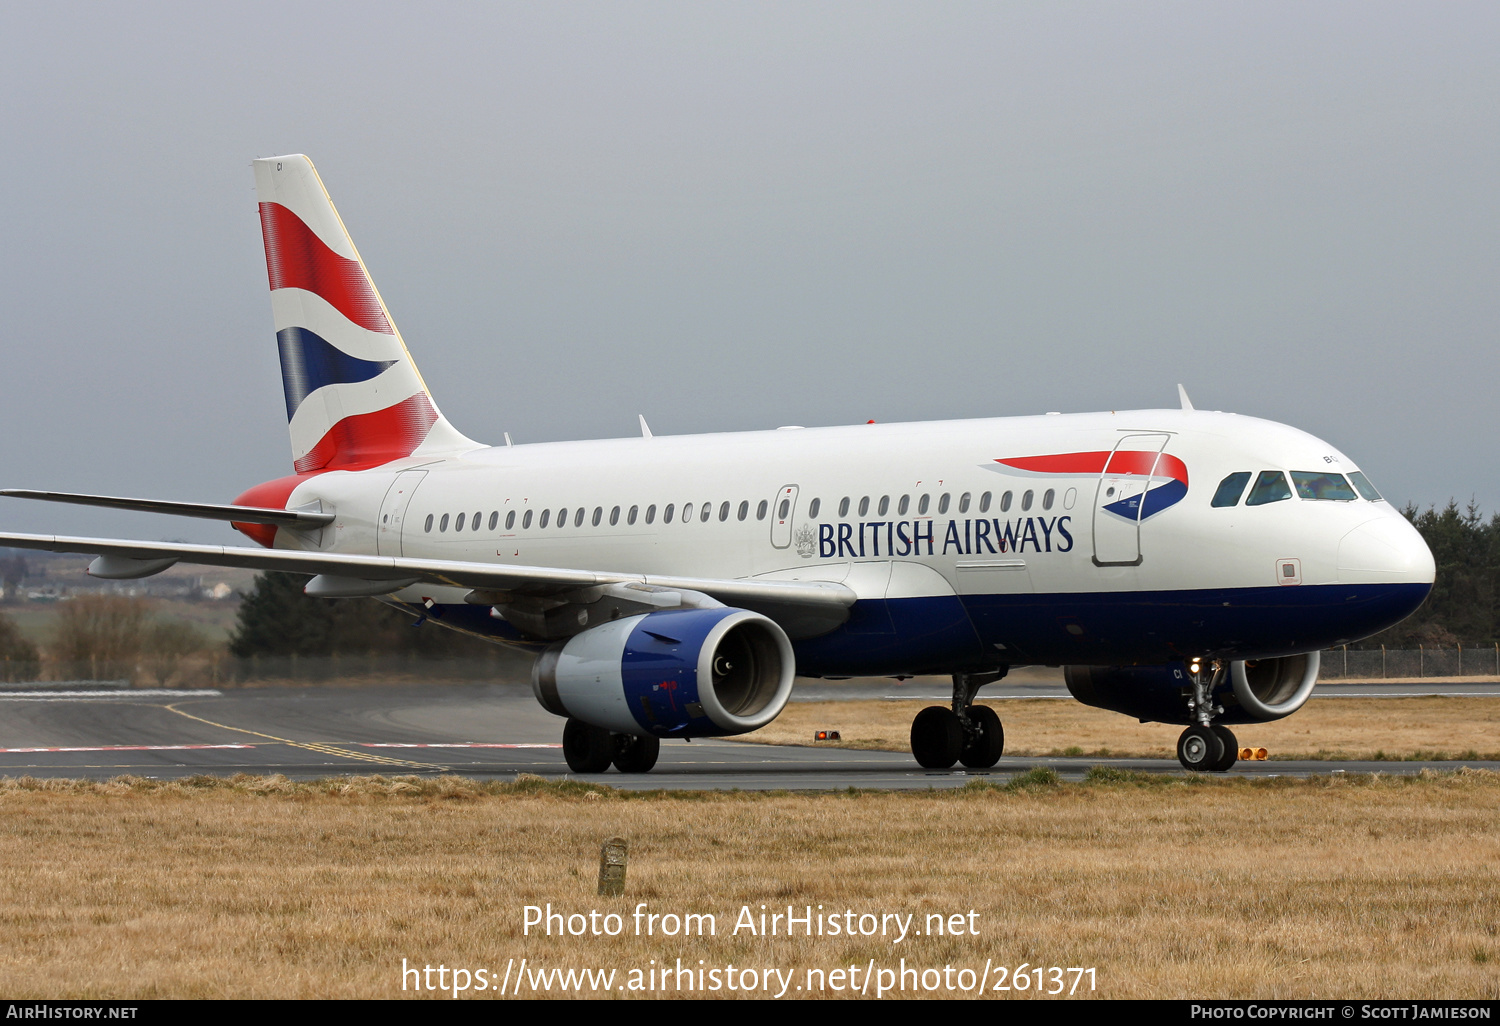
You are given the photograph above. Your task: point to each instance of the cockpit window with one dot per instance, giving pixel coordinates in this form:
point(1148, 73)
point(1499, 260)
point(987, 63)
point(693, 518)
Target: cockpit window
point(1270, 486)
point(1315, 485)
point(1231, 488)
point(1365, 487)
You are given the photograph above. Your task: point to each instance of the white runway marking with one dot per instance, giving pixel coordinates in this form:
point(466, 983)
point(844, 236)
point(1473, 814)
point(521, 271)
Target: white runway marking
point(94, 696)
point(122, 748)
point(455, 744)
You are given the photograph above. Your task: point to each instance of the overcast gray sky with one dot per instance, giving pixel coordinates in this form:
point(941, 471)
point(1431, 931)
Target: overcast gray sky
point(735, 216)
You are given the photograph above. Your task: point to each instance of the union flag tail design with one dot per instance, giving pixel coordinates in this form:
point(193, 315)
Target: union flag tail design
point(354, 398)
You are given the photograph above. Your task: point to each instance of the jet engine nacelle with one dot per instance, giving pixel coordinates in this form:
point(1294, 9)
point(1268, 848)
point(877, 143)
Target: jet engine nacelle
point(1256, 690)
point(675, 673)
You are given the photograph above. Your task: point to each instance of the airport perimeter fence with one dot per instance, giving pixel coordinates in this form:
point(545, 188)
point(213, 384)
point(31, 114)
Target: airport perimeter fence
point(1405, 663)
point(219, 670)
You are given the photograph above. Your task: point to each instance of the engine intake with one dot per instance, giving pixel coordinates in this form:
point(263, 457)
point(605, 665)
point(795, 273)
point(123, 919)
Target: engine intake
point(676, 673)
point(1269, 689)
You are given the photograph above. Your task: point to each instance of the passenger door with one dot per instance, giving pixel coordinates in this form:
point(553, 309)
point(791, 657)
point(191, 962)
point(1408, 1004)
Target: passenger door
point(1117, 502)
point(393, 511)
point(783, 509)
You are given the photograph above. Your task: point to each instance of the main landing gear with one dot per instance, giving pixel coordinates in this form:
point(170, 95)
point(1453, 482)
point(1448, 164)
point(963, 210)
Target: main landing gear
point(591, 749)
point(966, 733)
point(1206, 746)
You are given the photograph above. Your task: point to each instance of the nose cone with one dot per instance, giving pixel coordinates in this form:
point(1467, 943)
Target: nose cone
point(1394, 569)
point(1385, 551)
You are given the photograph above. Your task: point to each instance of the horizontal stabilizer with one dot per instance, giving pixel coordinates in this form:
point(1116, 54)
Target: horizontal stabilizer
point(205, 510)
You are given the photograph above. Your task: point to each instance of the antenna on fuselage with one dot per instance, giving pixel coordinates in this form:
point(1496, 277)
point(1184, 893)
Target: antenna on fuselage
point(645, 430)
point(1187, 404)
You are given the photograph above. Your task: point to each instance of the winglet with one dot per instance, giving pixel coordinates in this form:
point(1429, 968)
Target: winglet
point(1187, 404)
point(645, 430)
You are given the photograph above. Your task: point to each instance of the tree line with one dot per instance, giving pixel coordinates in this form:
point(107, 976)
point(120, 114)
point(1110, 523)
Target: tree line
point(277, 619)
point(1463, 607)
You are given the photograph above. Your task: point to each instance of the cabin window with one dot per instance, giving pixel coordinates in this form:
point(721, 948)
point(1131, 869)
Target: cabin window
point(458, 525)
point(1365, 487)
point(843, 506)
point(599, 515)
point(526, 521)
point(812, 508)
point(666, 514)
point(1231, 488)
point(984, 503)
point(1005, 502)
point(478, 516)
point(760, 511)
point(1047, 498)
point(510, 520)
point(903, 505)
point(495, 519)
point(630, 517)
point(1270, 486)
point(651, 513)
point(885, 505)
point(922, 503)
point(963, 503)
point(578, 518)
point(443, 523)
point(1026, 500)
point(542, 523)
point(786, 507)
point(708, 511)
point(428, 527)
point(562, 517)
point(723, 512)
point(943, 503)
point(1312, 484)
point(614, 516)
point(864, 506)
point(687, 512)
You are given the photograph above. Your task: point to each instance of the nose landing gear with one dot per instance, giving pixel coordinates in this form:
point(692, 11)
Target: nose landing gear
point(967, 733)
point(1206, 746)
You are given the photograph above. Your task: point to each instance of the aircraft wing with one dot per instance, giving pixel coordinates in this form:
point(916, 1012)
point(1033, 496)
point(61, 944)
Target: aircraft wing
point(805, 608)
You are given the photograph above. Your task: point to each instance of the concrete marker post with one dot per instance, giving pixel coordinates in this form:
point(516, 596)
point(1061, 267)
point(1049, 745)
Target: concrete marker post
point(612, 867)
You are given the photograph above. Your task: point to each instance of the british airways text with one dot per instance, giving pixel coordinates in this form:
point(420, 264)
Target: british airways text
point(960, 537)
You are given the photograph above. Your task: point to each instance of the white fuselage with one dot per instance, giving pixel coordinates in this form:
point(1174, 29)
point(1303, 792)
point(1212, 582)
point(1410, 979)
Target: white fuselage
point(1039, 565)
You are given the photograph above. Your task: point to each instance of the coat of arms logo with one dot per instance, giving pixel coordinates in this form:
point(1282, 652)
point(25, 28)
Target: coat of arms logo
point(806, 542)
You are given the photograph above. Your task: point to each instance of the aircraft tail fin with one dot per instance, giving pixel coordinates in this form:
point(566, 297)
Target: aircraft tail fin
point(354, 398)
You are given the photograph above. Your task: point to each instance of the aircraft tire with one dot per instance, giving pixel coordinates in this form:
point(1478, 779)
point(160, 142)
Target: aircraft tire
point(588, 749)
point(633, 754)
point(986, 749)
point(937, 738)
point(1200, 749)
point(1231, 749)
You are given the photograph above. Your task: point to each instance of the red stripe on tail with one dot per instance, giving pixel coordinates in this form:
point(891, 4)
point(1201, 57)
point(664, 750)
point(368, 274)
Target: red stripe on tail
point(371, 439)
point(297, 259)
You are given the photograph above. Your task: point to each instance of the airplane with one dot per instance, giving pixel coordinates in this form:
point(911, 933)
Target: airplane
point(1184, 566)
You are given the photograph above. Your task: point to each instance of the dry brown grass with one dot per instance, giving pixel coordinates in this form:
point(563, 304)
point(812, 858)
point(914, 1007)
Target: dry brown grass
point(1355, 886)
point(1325, 728)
